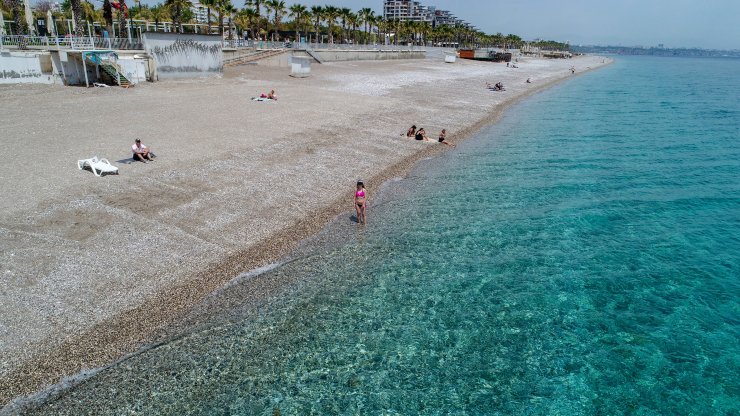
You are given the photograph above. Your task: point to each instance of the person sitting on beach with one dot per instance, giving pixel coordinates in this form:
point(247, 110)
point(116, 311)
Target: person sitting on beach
point(141, 152)
point(499, 86)
point(529, 80)
point(360, 202)
point(411, 132)
point(421, 134)
point(443, 136)
point(272, 95)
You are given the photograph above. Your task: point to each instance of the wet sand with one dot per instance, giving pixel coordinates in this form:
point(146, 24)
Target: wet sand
point(94, 268)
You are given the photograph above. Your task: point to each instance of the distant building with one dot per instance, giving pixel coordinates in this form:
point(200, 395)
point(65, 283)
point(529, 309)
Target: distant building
point(409, 10)
point(200, 13)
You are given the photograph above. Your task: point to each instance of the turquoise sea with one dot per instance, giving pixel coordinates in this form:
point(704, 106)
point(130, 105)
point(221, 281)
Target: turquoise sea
point(580, 257)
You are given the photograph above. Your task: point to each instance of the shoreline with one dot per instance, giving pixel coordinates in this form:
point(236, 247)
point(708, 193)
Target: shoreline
point(127, 332)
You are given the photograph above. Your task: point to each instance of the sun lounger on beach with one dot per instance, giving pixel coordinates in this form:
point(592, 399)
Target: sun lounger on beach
point(97, 166)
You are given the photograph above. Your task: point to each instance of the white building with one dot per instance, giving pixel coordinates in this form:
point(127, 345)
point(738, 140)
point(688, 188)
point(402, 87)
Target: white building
point(405, 10)
point(200, 13)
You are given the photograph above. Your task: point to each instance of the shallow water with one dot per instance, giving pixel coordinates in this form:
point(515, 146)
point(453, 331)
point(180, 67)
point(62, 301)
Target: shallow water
point(580, 257)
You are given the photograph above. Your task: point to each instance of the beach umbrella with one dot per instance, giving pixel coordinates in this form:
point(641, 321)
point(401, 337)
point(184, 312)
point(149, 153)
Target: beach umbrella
point(29, 16)
point(50, 24)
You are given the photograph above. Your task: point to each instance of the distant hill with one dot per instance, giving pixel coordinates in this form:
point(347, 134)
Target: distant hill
point(654, 51)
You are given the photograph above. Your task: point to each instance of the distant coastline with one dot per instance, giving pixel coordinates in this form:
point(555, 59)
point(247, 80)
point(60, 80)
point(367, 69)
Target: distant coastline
point(657, 51)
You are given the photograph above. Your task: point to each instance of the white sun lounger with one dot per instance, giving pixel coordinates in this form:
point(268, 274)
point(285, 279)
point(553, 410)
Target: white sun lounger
point(97, 166)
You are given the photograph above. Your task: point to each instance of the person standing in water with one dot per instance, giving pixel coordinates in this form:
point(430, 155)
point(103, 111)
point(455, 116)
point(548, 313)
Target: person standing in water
point(360, 202)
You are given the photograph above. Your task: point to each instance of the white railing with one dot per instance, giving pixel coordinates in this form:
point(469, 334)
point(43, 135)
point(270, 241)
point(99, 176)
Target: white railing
point(69, 42)
point(98, 43)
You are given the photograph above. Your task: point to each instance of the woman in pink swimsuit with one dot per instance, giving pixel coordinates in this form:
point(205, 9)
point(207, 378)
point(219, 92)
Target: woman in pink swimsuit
point(360, 202)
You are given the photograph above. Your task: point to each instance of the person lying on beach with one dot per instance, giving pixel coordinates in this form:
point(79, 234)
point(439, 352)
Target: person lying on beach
point(497, 87)
point(443, 136)
point(411, 132)
point(141, 152)
point(266, 97)
point(421, 134)
point(360, 202)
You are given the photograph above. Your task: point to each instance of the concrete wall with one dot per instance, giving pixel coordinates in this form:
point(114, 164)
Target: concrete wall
point(68, 68)
point(335, 55)
point(331, 55)
point(24, 68)
point(183, 55)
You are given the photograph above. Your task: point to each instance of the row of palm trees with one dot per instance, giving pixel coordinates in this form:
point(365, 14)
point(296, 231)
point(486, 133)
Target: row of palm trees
point(265, 20)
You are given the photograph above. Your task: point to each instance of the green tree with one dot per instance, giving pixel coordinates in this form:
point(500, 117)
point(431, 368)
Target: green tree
point(298, 13)
point(352, 21)
point(344, 13)
point(257, 6)
point(179, 12)
point(331, 14)
point(278, 8)
point(317, 12)
point(229, 9)
point(108, 16)
point(160, 13)
point(365, 16)
point(209, 5)
point(18, 14)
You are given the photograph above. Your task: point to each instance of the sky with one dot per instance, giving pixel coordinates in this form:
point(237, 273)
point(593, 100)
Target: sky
point(712, 24)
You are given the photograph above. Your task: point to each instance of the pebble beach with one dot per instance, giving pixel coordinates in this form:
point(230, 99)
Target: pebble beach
point(94, 268)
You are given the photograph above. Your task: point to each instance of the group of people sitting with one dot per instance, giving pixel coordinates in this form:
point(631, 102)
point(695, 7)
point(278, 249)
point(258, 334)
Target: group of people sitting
point(496, 87)
point(421, 135)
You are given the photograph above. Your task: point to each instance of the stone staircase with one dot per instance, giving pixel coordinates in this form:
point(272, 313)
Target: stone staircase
point(252, 56)
point(111, 68)
point(115, 72)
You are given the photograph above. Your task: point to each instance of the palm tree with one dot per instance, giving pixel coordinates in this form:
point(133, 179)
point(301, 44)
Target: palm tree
point(344, 13)
point(251, 17)
point(108, 16)
point(277, 7)
point(209, 4)
point(221, 9)
point(122, 11)
point(317, 12)
point(425, 30)
point(176, 9)
point(160, 13)
point(298, 12)
point(330, 14)
point(18, 13)
point(375, 22)
point(352, 22)
point(230, 10)
point(88, 10)
point(366, 17)
point(256, 4)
